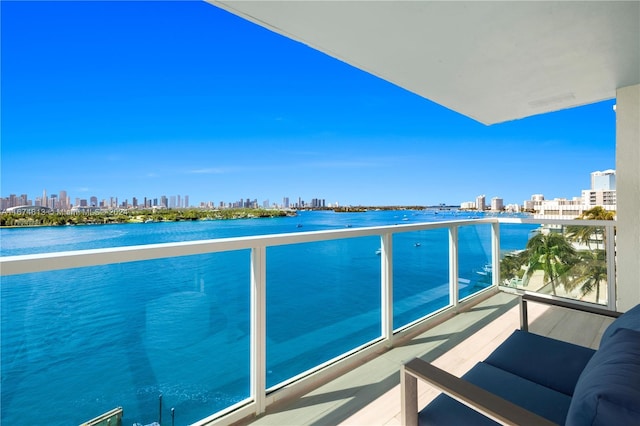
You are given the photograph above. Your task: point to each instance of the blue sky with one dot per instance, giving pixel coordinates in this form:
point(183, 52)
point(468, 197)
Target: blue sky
point(135, 99)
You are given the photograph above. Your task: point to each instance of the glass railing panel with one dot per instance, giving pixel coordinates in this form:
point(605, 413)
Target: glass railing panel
point(420, 274)
point(91, 339)
point(563, 260)
point(474, 259)
point(513, 242)
point(323, 300)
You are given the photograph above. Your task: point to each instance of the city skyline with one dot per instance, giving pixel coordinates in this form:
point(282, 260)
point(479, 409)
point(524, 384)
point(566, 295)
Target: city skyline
point(197, 100)
point(600, 180)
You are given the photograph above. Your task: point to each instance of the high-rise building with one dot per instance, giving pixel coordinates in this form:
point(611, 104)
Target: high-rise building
point(603, 190)
point(64, 200)
point(605, 180)
point(497, 204)
point(481, 202)
point(602, 193)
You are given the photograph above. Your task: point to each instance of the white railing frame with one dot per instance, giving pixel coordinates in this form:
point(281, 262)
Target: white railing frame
point(386, 286)
point(258, 335)
point(453, 266)
point(258, 401)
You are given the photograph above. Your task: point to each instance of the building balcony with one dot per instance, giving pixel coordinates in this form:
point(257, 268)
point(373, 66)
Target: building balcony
point(370, 394)
point(302, 328)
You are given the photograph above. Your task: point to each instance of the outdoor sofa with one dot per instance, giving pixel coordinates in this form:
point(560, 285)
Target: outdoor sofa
point(534, 380)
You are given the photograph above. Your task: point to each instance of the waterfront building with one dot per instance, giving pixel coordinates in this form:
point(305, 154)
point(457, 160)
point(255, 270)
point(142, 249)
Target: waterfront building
point(467, 205)
point(53, 202)
point(605, 180)
point(318, 203)
point(497, 204)
point(14, 200)
point(602, 193)
point(65, 203)
point(599, 197)
point(513, 208)
point(481, 204)
point(44, 200)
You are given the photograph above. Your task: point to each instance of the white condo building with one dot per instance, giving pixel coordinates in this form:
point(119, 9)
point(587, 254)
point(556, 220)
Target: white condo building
point(497, 204)
point(602, 193)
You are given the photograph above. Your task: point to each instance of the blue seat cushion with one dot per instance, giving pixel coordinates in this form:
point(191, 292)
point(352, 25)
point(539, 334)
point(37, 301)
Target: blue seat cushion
point(543, 401)
point(548, 362)
point(608, 391)
point(630, 319)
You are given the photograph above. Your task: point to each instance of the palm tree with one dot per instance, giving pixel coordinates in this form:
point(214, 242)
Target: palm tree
point(586, 234)
point(590, 272)
point(511, 266)
point(551, 253)
point(598, 213)
point(592, 267)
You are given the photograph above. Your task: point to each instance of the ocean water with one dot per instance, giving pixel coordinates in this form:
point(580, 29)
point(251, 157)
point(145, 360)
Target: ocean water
point(77, 343)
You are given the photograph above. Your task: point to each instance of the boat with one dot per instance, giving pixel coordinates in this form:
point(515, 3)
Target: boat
point(486, 270)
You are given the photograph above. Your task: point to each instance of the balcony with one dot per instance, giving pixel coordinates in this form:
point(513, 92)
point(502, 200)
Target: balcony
point(370, 394)
point(221, 343)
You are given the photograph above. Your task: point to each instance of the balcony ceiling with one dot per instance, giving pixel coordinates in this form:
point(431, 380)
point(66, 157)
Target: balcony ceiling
point(491, 61)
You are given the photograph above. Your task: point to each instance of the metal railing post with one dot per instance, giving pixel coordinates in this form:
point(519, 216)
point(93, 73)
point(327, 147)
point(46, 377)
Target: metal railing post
point(495, 254)
point(386, 270)
point(453, 265)
point(610, 250)
point(524, 315)
point(258, 328)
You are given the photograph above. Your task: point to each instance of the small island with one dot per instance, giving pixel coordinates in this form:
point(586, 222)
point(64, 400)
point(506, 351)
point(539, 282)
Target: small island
point(37, 217)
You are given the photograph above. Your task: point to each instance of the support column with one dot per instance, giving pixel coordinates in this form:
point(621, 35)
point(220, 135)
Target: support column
point(628, 196)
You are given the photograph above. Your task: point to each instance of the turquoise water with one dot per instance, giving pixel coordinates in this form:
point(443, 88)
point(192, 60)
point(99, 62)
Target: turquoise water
point(77, 343)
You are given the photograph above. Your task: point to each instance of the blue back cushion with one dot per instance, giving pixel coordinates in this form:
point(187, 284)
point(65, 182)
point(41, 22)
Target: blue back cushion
point(608, 390)
point(548, 362)
point(630, 319)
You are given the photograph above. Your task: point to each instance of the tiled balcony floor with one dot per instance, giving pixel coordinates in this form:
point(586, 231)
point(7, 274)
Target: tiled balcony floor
point(370, 393)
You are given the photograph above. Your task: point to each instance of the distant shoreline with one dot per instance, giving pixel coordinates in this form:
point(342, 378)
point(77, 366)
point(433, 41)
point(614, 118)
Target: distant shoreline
point(107, 217)
point(35, 219)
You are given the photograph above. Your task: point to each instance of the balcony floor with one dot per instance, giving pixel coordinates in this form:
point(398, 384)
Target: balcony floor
point(370, 393)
